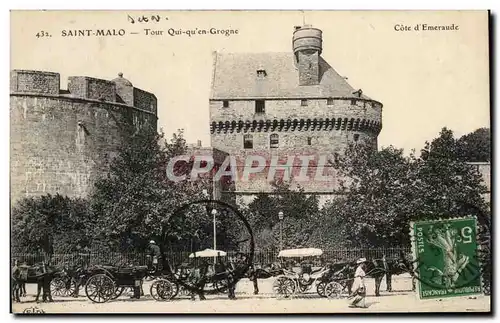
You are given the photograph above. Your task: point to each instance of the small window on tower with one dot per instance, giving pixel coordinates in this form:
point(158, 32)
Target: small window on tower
point(261, 73)
point(274, 140)
point(329, 101)
point(248, 141)
point(309, 141)
point(225, 104)
point(356, 137)
point(353, 102)
point(260, 106)
point(303, 103)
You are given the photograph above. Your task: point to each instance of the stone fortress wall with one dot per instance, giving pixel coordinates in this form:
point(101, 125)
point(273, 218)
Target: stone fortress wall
point(63, 140)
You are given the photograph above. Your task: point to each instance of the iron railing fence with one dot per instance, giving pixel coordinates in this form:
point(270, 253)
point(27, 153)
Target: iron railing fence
point(262, 257)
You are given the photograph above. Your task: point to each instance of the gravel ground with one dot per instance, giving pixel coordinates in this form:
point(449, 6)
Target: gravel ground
point(402, 299)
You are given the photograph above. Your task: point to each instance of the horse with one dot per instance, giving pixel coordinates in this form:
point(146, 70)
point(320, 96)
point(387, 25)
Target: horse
point(238, 267)
point(253, 273)
point(397, 267)
point(40, 274)
point(269, 271)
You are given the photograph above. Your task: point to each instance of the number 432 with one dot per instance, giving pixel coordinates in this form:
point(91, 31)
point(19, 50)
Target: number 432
point(43, 34)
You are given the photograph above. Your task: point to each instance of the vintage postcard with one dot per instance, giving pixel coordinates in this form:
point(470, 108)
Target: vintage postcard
point(250, 162)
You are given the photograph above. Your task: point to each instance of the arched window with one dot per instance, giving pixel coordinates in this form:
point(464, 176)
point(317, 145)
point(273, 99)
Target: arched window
point(274, 140)
point(248, 141)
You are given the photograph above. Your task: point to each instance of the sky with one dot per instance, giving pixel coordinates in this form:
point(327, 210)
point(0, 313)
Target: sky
point(426, 80)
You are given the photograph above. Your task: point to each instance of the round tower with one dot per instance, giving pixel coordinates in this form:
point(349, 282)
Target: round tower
point(307, 38)
point(63, 140)
point(307, 47)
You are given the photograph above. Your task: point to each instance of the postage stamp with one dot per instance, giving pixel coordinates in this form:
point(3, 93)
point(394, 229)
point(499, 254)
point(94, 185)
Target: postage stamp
point(446, 257)
point(239, 161)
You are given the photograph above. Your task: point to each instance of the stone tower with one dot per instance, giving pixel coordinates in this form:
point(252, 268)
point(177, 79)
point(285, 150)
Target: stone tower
point(307, 47)
point(292, 108)
point(63, 140)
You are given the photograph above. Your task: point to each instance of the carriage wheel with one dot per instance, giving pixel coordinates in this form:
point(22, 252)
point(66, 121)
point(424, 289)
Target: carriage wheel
point(176, 288)
point(284, 287)
point(62, 287)
point(163, 290)
point(333, 290)
point(57, 287)
point(70, 287)
point(221, 286)
point(100, 288)
point(320, 288)
point(118, 292)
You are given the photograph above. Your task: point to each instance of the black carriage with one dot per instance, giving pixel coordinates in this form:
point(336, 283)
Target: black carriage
point(334, 282)
point(170, 284)
point(65, 282)
point(108, 282)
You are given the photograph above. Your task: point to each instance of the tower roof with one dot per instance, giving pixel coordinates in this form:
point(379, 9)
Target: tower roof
point(235, 77)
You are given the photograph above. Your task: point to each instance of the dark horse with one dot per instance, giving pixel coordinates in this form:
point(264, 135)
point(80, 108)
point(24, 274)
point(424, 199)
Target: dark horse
point(397, 267)
point(238, 268)
point(40, 274)
point(253, 273)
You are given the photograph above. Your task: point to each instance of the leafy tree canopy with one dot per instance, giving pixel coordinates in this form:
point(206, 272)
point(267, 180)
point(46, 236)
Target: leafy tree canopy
point(386, 190)
point(475, 146)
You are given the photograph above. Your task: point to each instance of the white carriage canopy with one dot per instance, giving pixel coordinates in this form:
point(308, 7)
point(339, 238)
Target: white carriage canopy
point(302, 252)
point(207, 253)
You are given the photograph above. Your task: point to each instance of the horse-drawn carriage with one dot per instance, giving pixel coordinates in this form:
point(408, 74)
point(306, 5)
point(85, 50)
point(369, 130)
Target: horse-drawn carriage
point(179, 282)
point(292, 281)
point(108, 282)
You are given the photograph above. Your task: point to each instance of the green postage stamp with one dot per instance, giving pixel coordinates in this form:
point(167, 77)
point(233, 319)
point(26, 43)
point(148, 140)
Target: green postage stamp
point(446, 257)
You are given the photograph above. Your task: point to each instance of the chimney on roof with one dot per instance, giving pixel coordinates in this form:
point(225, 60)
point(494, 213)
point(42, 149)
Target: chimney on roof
point(307, 47)
point(198, 144)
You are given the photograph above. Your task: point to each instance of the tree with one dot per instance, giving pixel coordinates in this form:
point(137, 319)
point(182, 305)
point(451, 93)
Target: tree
point(475, 146)
point(330, 226)
point(137, 199)
point(377, 187)
point(385, 190)
point(300, 212)
point(448, 185)
point(50, 224)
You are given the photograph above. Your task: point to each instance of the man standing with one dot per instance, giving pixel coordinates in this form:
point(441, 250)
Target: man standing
point(358, 287)
point(155, 253)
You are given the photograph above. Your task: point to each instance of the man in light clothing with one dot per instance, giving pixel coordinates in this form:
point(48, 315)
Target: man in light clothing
point(358, 287)
point(154, 253)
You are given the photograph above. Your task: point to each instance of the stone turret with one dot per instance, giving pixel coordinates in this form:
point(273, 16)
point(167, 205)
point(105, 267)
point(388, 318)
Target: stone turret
point(307, 47)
